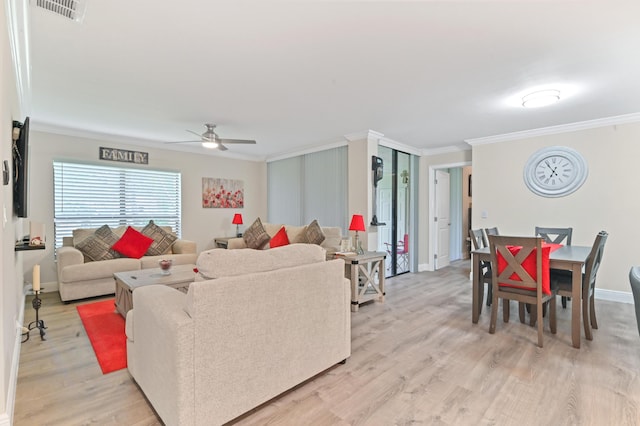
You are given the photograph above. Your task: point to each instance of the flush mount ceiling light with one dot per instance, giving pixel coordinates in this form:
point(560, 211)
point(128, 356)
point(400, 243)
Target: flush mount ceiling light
point(210, 145)
point(541, 98)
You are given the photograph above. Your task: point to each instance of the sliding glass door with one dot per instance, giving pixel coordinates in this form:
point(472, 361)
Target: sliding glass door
point(394, 208)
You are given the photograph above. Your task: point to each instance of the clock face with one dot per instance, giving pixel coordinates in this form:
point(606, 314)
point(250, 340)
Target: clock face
point(555, 171)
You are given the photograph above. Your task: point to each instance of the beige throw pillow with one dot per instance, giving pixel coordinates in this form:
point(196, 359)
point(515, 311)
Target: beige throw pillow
point(97, 246)
point(162, 240)
point(314, 233)
point(256, 236)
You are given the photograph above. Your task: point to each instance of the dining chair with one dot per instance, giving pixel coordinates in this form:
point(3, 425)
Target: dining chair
point(518, 274)
point(490, 231)
point(402, 254)
point(557, 236)
point(562, 282)
point(634, 280)
point(478, 241)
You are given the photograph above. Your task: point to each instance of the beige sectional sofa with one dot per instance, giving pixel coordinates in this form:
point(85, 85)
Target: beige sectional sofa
point(331, 243)
point(268, 321)
point(79, 277)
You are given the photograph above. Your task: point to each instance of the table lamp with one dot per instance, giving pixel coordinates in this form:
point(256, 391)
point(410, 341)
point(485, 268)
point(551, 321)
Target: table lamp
point(237, 221)
point(357, 224)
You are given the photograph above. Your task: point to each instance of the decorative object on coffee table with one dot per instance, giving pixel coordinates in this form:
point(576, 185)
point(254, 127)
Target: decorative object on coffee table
point(165, 266)
point(237, 221)
point(357, 224)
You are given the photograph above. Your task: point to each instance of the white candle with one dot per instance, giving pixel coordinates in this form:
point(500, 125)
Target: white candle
point(36, 277)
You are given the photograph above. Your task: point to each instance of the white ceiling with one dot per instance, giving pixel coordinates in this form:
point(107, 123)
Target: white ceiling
point(295, 74)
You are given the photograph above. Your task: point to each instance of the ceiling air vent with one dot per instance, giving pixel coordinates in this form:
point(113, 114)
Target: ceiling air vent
point(70, 9)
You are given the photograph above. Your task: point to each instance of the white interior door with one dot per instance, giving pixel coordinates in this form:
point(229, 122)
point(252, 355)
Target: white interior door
point(443, 219)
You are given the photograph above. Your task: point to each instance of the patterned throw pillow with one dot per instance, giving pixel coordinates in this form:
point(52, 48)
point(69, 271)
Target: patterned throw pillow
point(133, 244)
point(162, 240)
point(314, 233)
point(97, 246)
point(280, 239)
point(256, 236)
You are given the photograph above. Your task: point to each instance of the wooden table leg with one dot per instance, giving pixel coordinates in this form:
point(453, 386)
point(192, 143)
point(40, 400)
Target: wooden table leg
point(476, 304)
point(381, 279)
point(576, 298)
point(354, 287)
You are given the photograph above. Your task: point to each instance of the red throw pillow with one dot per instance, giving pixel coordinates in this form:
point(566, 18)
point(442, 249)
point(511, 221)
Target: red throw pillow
point(529, 265)
point(280, 239)
point(132, 244)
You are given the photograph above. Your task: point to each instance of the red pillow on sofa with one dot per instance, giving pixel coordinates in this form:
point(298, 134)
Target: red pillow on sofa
point(132, 244)
point(280, 239)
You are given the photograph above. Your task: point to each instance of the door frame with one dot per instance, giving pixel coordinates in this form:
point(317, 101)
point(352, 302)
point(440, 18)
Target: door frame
point(433, 234)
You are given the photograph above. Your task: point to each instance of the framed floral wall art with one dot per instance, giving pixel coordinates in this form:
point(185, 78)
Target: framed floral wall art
point(220, 193)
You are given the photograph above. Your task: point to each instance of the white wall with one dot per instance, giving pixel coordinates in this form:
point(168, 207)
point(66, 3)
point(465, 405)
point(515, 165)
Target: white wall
point(198, 224)
point(608, 200)
point(11, 293)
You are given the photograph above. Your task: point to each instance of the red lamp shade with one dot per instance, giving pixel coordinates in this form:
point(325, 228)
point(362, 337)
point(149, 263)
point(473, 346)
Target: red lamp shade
point(357, 223)
point(237, 219)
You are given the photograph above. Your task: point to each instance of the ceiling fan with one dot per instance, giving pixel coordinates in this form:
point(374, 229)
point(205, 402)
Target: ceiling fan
point(210, 139)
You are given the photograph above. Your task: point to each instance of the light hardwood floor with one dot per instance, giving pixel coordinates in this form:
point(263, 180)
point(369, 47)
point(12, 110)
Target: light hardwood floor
point(416, 359)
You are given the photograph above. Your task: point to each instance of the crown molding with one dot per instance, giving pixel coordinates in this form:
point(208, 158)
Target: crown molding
point(18, 31)
point(109, 137)
point(552, 130)
point(444, 150)
point(307, 150)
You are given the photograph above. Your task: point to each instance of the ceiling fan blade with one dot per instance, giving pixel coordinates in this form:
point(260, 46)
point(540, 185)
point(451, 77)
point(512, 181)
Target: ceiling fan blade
point(198, 141)
point(245, 141)
point(222, 147)
point(194, 133)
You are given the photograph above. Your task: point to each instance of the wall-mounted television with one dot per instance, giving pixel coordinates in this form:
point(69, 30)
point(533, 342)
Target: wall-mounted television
point(21, 167)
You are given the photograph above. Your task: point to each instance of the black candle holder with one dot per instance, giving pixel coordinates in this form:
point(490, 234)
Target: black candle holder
point(38, 323)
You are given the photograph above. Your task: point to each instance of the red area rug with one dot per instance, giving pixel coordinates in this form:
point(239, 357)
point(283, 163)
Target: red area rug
point(105, 329)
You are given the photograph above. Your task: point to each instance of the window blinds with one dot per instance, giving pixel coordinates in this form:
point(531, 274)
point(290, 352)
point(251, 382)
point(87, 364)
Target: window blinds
point(89, 196)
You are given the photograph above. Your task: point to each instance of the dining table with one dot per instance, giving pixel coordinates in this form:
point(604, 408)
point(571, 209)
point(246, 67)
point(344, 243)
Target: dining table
point(568, 258)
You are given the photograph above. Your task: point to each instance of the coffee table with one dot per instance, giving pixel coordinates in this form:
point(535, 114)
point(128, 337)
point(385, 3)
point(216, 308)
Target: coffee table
point(126, 282)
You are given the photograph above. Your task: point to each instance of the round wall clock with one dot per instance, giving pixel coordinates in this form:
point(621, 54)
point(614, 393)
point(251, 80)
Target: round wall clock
point(555, 171)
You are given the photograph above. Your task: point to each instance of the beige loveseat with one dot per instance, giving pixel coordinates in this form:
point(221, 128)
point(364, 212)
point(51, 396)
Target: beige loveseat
point(268, 321)
point(331, 243)
point(79, 277)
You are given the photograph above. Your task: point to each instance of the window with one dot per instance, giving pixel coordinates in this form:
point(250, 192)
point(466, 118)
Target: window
point(89, 196)
point(310, 186)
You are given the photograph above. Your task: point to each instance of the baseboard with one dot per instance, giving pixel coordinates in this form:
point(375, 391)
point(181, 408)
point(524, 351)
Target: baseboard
point(7, 417)
point(5, 420)
point(614, 296)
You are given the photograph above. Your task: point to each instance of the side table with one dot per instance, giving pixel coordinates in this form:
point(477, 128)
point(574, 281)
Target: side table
point(222, 242)
point(366, 273)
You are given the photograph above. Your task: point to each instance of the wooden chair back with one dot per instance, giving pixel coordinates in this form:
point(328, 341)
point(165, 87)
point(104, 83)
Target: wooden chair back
point(513, 282)
point(555, 235)
point(593, 263)
point(478, 239)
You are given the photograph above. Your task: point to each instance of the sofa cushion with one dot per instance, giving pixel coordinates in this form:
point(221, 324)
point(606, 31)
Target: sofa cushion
point(162, 240)
point(133, 244)
point(217, 263)
point(256, 236)
point(313, 233)
point(97, 246)
point(280, 239)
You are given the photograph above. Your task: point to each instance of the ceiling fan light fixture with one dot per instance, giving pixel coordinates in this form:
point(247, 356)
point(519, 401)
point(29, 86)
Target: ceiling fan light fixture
point(210, 145)
point(540, 98)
